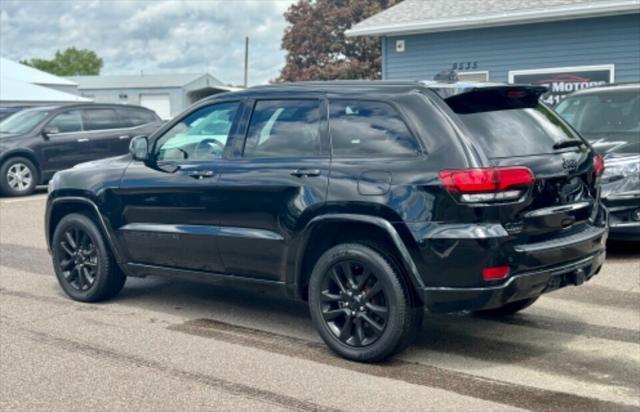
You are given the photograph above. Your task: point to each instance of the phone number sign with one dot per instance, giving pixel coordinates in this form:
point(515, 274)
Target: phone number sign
point(563, 81)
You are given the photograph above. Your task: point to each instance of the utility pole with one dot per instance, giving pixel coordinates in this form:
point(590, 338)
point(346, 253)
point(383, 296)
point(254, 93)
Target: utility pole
point(246, 61)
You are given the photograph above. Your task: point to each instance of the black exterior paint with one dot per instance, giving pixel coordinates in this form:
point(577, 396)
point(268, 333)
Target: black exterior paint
point(64, 150)
point(252, 220)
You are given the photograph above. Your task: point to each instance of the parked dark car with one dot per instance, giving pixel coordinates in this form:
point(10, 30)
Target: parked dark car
point(36, 143)
point(609, 117)
point(372, 201)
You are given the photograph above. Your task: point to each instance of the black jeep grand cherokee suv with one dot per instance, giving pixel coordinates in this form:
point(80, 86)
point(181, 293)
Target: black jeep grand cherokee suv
point(370, 200)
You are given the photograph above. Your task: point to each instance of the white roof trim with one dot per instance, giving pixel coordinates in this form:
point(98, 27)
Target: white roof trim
point(14, 90)
point(18, 71)
point(501, 19)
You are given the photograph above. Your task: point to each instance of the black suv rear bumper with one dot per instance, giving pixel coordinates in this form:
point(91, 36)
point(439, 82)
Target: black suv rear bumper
point(517, 287)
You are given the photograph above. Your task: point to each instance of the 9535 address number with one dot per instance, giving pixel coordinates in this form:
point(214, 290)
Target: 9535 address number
point(471, 65)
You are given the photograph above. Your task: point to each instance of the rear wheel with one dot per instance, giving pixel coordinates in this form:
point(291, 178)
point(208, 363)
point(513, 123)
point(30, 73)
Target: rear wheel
point(18, 177)
point(508, 309)
point(83, 263)
point(360, 306)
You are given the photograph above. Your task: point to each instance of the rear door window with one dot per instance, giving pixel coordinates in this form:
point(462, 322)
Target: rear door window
point(284, 128)
point(101, 119)
point(366, 128)
point(67, 122)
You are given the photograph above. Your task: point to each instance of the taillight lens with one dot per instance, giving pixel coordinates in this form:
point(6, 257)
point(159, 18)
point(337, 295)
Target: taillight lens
point(495, 272)
point(487, 184)
point(598, 165)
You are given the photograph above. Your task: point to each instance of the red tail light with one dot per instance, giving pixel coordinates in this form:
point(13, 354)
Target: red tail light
point(487, 184)
point(598, 164)
point(495, 272)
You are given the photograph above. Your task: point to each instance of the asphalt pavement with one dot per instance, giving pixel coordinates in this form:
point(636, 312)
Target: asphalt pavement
point(168, 345)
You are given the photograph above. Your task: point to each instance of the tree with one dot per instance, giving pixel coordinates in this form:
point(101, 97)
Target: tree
point(317, 48)
point(71, 62)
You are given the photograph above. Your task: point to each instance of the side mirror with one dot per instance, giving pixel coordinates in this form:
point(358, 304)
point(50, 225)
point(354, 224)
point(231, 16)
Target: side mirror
point(139, 148)
point(49, 130)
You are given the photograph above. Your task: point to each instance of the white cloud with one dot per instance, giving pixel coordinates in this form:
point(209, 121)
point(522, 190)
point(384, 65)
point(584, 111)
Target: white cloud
point(158, 36)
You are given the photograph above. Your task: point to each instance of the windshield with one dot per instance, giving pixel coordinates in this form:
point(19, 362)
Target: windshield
point(610, 113)
point(22, 122)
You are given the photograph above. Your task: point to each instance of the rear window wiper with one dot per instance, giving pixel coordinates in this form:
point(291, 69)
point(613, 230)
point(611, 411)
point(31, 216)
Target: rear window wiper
point(567, 143)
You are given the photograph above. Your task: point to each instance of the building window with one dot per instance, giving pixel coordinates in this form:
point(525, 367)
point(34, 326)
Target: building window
point(481, 76)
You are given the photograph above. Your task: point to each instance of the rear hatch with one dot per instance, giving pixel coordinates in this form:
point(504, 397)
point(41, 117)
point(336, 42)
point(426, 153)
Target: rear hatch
point(510, 127)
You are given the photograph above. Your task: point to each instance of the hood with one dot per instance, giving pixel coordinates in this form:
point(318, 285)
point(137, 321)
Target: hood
point(102, 163)
point(6, 138)
point(615, 144)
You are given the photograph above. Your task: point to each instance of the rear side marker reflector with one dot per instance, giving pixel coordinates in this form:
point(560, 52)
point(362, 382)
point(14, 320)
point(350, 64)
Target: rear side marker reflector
point(495, 272)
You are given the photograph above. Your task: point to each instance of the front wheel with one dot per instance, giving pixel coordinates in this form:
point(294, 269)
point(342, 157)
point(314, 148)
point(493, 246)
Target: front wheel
point(360, 306)
point(83, 263)
point(18, 177)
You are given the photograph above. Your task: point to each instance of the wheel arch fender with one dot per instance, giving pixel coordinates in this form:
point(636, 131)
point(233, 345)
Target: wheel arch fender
point(402, 255)
point(59, 207)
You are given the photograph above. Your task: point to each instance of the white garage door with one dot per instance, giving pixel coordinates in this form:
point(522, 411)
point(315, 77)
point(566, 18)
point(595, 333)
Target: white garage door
point(159, 103)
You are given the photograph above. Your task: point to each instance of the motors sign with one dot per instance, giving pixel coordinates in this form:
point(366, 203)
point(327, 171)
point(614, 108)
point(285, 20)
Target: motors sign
point(563, 81)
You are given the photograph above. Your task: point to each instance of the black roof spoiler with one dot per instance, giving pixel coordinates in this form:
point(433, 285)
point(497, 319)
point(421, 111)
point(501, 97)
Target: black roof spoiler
point(492, 98)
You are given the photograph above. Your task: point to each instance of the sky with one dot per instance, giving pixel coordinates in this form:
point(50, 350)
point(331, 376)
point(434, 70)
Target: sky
point(154, 36)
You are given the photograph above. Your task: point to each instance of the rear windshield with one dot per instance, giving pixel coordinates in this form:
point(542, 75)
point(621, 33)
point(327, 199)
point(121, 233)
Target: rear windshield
point(511, 125)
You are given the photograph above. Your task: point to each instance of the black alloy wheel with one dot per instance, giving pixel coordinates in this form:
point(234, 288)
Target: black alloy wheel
point(360, 304)
point(354, 304)
point(82, 260)
point(79, 260)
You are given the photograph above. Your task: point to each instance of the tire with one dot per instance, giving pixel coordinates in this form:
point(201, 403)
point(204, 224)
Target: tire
point(508, 309)
point(345, 311)
point(18, 177)
point(83, 263)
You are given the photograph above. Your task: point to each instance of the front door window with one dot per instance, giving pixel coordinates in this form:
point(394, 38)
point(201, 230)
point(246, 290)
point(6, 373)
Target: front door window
point(200, 136)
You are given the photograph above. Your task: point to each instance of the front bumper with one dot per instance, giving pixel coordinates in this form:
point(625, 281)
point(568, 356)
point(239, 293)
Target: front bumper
point(518, 287)
point(622, 208)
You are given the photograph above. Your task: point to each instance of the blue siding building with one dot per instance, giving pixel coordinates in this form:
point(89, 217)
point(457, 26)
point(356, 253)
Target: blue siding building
point(564, 44)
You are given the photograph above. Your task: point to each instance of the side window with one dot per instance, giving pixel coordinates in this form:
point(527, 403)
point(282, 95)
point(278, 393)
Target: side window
point(67, 122)
point(284, 128)
point(145, 116)
point(364, 128)
point(100, 119)
point(138, 117)
point(201, 135)
point(125, 118)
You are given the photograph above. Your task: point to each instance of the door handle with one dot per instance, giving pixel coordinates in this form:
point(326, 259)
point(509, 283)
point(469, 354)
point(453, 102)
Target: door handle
point(201, 174)
point(83, 140)
point(305, 172)
point(123, 137)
